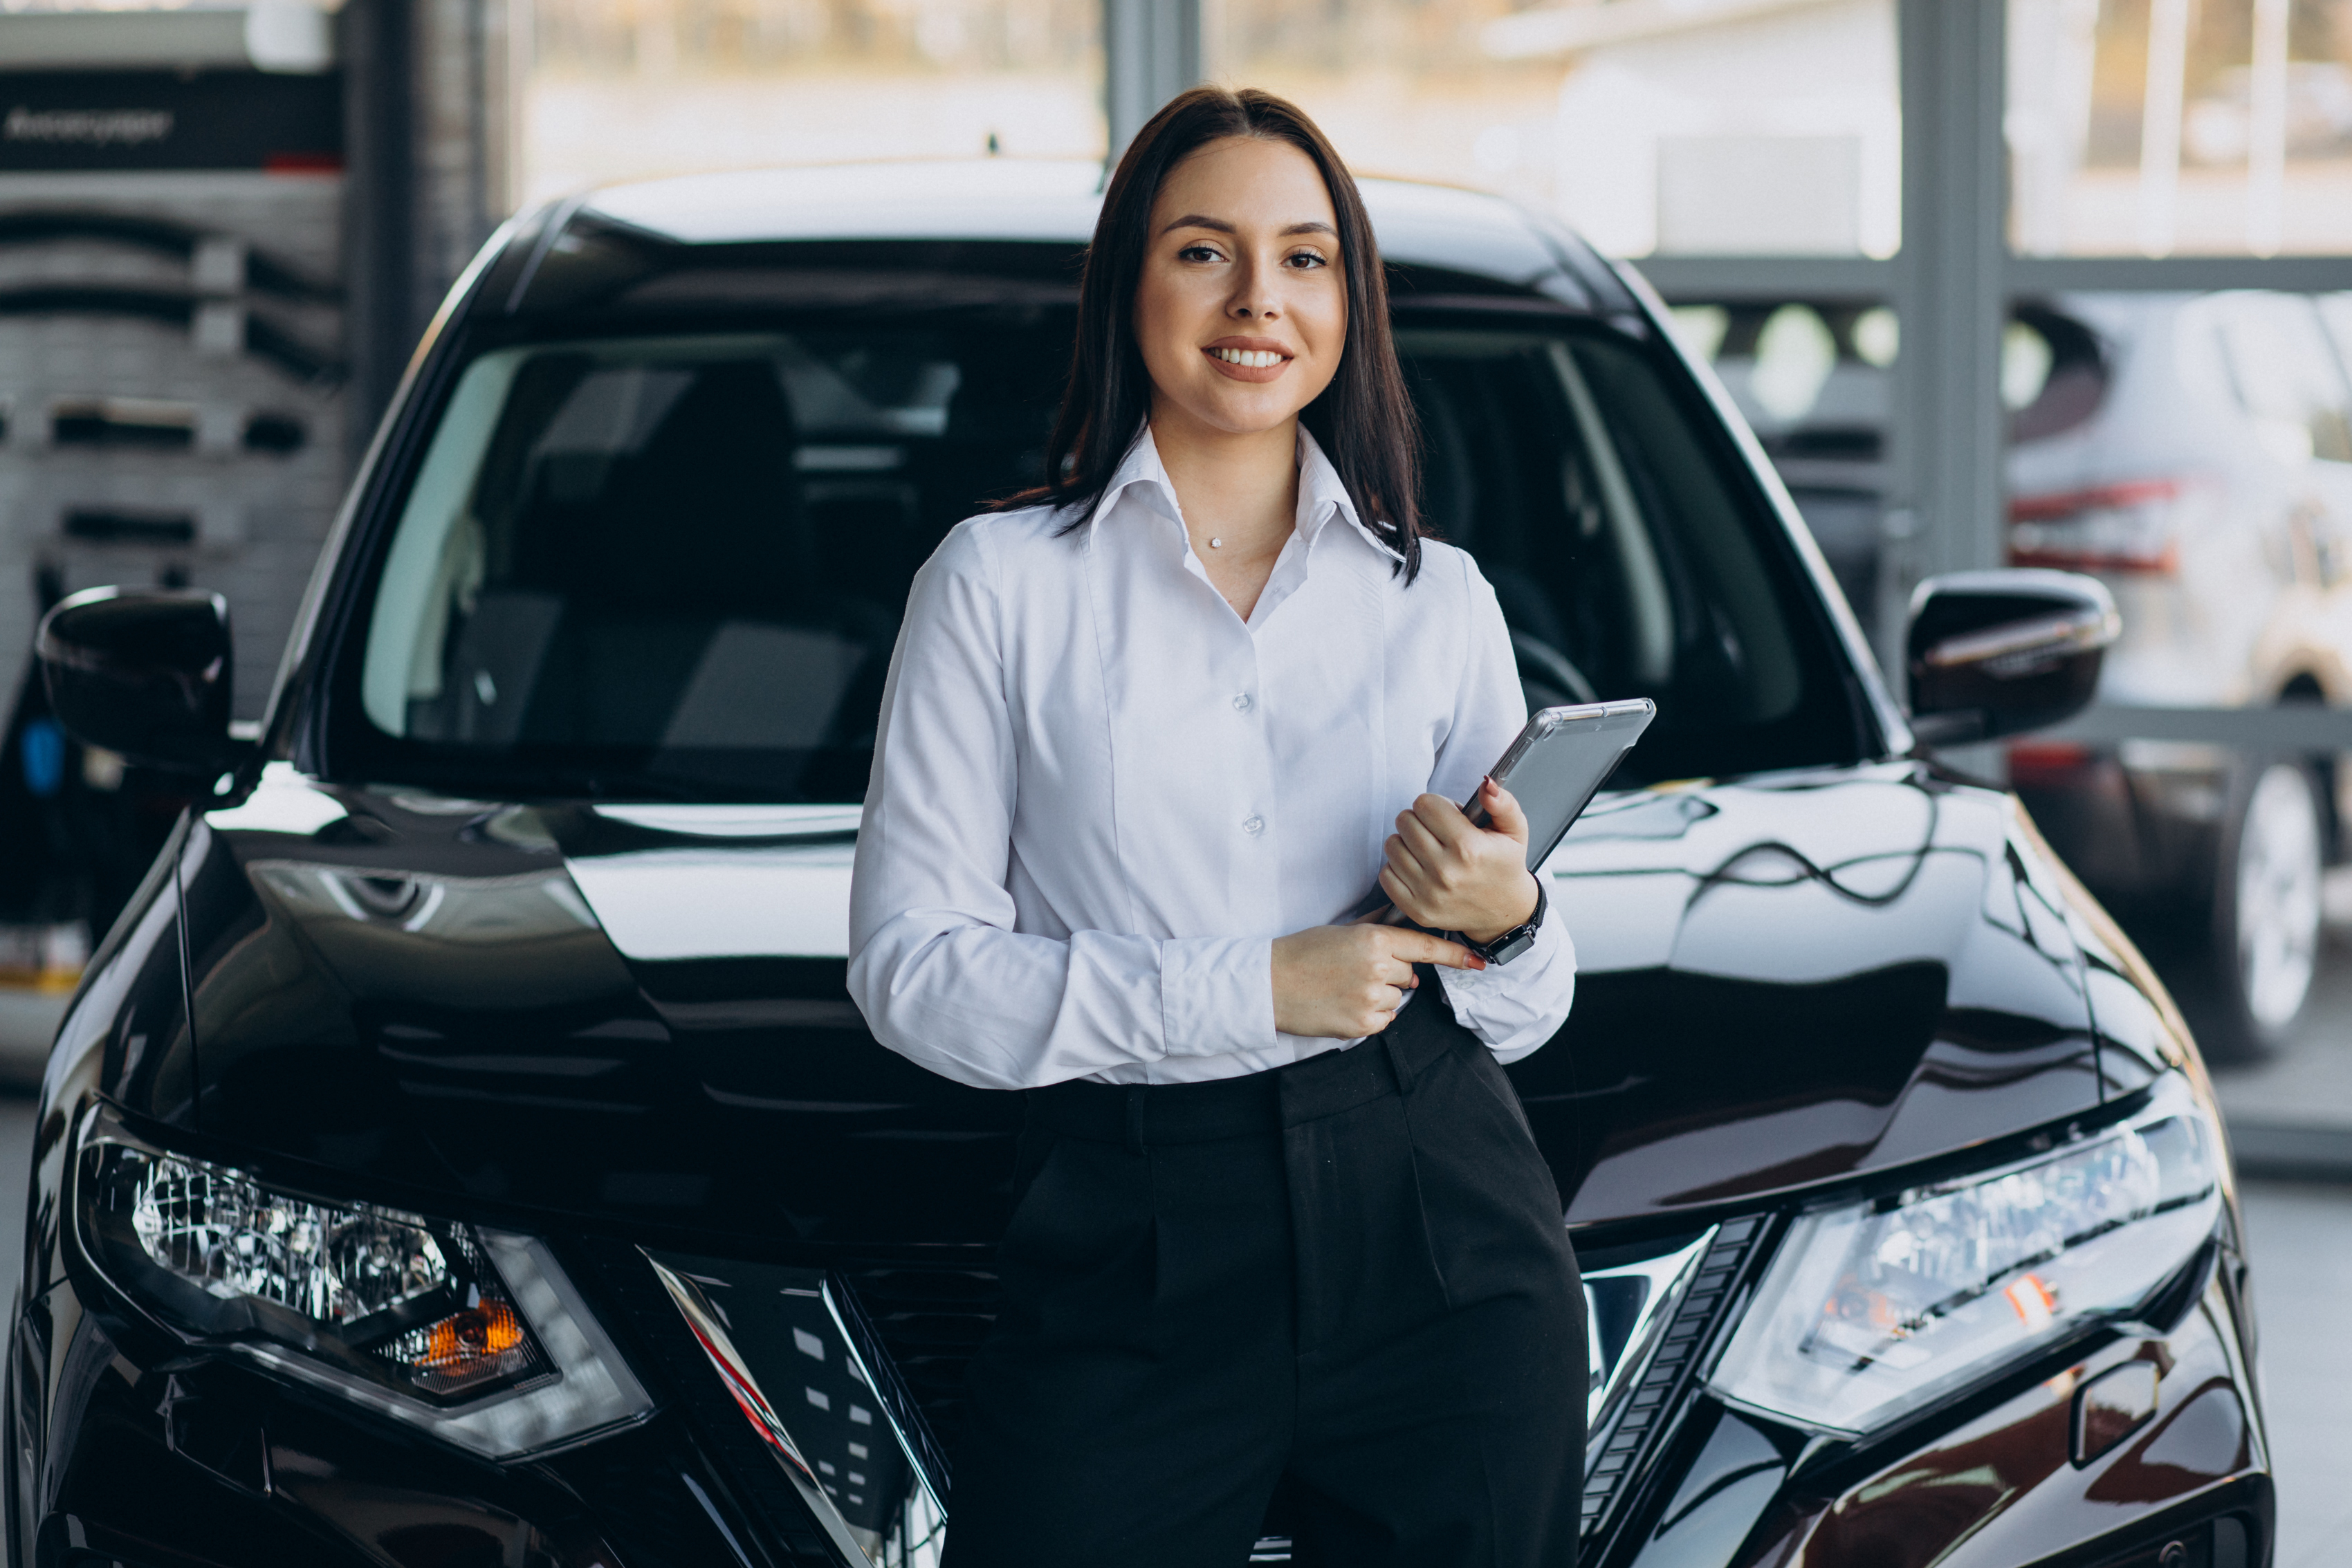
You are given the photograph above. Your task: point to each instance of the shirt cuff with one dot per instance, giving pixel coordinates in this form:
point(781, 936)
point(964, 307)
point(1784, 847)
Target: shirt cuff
point(1216, 996)
point(1502, 979)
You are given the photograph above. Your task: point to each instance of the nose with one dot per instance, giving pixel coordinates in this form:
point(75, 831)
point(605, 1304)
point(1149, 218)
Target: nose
point(1253, 300)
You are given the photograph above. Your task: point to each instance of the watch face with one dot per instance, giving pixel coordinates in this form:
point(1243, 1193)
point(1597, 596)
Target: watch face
point(1518, 941)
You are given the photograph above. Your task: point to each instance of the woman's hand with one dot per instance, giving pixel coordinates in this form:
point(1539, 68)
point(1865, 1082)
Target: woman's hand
point(1343, 982)
point(1449, 875)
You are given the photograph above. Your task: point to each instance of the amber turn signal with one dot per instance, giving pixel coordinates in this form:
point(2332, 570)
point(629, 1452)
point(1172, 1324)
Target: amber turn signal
point(490, 1329)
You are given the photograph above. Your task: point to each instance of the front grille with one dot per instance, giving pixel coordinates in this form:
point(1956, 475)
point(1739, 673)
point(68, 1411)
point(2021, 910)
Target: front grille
point(627, 1285)
point(930, 1317)
point(1628, 1448)
point(809, 1384)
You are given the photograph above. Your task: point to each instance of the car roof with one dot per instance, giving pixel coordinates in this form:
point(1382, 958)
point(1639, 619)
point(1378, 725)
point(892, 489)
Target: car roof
point(1016, 199)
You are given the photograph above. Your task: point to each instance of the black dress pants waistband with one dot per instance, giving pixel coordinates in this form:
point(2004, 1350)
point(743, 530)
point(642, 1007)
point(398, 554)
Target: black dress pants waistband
point(1143, 1116)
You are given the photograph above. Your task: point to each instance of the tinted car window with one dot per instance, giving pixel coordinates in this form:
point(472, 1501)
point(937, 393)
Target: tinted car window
point(675, 566)
point(1626, 566)
point(2072, 379)
point(680, 562)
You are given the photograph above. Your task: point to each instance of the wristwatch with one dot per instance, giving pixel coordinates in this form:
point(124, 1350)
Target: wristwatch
point(1514, 941)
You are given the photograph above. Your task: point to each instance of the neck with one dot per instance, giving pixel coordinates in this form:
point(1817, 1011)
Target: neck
point(1239, 487)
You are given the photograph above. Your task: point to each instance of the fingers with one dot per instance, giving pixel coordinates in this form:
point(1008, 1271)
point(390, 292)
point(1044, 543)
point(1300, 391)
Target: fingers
point(1421, 947)
point(1430, 844)
point(1403, 895)
point(1415, 857)
point(1390, 980)
point(1442, 820)
point(1421, 863)
point(1343, 982)
point(1406, 893)
point(1402, 869)
point(1503, 813)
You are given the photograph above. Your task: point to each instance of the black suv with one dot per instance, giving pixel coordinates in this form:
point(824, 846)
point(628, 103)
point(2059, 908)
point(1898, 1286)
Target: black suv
point(464, 1150)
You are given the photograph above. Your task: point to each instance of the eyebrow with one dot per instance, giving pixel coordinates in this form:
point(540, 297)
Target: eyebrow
point(1203, 221)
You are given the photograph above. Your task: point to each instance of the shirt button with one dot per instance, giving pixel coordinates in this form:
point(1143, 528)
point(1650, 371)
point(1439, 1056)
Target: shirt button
point(1252, 826)
point(1241, 701)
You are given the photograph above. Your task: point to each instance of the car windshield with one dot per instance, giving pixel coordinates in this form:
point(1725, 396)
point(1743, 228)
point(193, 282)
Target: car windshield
point(674, 566)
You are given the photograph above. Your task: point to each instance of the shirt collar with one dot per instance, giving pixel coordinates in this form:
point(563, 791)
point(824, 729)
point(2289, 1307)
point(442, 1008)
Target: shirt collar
point(1142, 471)
point(1321, 492)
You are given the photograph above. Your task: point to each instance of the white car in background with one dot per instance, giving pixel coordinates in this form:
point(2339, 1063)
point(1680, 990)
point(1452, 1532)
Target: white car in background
point(2194, 452)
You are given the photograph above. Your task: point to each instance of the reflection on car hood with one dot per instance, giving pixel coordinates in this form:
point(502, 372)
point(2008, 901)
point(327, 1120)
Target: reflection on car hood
point(1789, 980)
point(639, 1012)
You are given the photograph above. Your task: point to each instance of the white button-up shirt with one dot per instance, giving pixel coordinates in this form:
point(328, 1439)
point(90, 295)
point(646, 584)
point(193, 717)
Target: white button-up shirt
point(1098, 794)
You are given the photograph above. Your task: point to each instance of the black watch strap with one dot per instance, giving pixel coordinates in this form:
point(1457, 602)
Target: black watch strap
point(1518, 938)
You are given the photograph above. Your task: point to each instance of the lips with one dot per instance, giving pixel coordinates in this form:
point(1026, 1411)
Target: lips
point(1248, 359)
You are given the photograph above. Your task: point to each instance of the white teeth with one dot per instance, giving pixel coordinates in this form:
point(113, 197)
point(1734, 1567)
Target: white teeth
point(1255, 359)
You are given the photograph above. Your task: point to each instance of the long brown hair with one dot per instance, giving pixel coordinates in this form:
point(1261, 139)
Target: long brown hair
point(1364, 420)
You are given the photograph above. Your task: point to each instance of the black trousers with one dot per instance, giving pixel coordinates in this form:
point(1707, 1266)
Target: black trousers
point(1349, 1277)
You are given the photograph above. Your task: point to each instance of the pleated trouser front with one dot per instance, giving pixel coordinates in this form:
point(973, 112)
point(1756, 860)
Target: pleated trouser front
point(1349, 1276)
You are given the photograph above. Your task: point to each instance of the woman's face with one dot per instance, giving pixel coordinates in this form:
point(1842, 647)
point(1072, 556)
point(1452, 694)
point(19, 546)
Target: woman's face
point(1242, 311)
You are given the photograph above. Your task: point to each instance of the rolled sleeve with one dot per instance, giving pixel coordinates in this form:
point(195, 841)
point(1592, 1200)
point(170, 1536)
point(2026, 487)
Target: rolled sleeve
point(1515, 1007)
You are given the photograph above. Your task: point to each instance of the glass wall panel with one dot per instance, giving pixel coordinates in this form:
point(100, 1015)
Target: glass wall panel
point(2163, 127)
point(1404, 87)
point(1811, 377)
point(1646, 124)
point(621, 89)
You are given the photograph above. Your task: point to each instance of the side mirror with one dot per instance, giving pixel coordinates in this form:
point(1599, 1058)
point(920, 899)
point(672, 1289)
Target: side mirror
point(1995, 653)
point(144, 671)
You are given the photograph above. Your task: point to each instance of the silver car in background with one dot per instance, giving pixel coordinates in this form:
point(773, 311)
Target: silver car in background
point(2194, 452)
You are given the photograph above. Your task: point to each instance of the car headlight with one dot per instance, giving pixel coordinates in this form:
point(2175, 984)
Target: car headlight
point(1872, 1310)
point(471, 1334)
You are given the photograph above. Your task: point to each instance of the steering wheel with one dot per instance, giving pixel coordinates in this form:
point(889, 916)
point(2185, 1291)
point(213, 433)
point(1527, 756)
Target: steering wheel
point(1547, 674)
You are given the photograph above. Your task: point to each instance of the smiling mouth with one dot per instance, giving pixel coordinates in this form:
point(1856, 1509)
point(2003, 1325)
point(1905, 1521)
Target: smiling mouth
point(1249, 359)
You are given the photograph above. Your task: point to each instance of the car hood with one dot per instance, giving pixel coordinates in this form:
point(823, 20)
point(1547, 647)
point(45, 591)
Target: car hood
point(637, 1014)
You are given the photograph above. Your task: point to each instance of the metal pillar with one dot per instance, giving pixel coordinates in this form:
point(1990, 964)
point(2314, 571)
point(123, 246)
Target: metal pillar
point(464, 80)
point(380, 196)
point(428, 87)
point(1946, 506)
point(1152, 50)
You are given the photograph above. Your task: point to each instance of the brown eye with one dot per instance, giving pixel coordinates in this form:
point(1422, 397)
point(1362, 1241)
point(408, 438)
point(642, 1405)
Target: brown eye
point(1197, 253)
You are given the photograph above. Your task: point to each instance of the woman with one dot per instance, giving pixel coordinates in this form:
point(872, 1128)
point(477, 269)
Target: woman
point(1140, 746)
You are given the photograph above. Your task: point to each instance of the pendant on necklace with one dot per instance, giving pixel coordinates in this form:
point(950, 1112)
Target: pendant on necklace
point(1216, 544)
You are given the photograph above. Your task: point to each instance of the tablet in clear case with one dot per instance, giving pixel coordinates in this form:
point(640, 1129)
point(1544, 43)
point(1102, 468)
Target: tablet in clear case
point(1554, 767)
